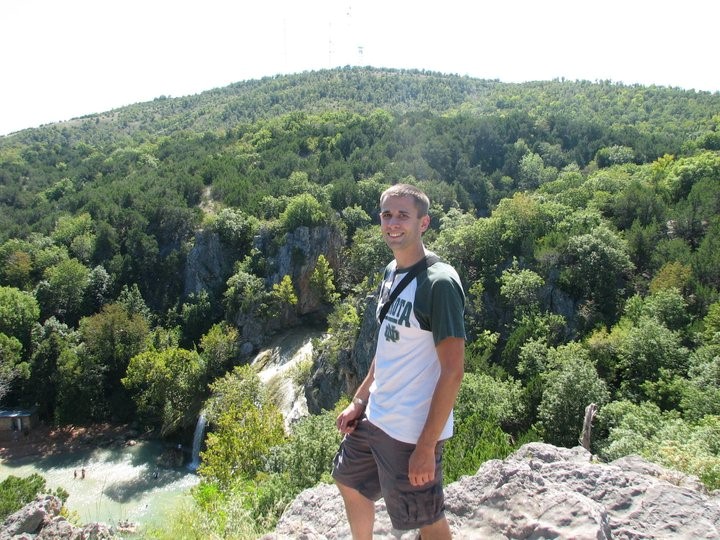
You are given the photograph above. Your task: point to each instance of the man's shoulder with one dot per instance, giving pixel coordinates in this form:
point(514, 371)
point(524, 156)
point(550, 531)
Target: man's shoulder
point(442, 270)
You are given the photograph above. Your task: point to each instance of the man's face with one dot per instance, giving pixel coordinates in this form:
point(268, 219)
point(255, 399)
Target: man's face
point(400, 224)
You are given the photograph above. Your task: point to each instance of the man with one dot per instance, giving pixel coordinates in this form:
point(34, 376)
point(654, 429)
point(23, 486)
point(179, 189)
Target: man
point(402, 412)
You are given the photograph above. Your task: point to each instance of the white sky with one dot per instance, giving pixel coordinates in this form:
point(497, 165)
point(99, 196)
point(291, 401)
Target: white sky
point(67, 58)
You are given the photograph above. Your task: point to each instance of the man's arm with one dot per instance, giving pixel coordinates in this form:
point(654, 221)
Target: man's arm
point(346, 420)
point(451, 353)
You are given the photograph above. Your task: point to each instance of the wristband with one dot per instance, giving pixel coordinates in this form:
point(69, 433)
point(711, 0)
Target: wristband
point(359, 401)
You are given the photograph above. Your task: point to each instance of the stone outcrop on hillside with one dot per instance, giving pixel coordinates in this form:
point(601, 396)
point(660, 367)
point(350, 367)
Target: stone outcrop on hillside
point(297, 258)
point(540, 491)
point(210, 263)
point(41, 520)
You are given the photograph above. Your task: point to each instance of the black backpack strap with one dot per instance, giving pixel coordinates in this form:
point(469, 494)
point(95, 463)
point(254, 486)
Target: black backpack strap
point(424, 264)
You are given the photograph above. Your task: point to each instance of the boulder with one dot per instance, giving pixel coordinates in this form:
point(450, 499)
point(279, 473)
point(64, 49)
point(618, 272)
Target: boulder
point(40, 520)
point(30, 518)
point(540, 491)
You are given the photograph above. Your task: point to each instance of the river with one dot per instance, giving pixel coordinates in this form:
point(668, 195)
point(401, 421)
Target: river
point(120, 483)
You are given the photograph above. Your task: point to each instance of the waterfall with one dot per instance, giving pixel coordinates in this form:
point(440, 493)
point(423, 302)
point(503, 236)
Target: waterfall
point(197, 442)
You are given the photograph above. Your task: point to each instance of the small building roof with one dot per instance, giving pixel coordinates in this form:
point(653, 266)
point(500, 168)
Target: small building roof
point(16, 413)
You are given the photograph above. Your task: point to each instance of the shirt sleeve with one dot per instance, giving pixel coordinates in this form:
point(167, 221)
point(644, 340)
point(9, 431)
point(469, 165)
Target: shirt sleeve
point(447, 309)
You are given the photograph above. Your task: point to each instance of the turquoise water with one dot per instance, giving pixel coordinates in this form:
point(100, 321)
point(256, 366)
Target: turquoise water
point(120, 484)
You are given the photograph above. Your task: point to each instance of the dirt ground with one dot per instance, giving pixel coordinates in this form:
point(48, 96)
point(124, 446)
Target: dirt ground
point(45, 440)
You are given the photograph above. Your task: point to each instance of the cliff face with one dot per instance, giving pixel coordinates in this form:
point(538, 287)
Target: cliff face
point(297, 257)
point(210, 263)
point(540, 492)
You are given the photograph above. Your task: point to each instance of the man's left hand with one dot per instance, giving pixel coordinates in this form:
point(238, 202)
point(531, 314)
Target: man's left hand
point(421, 468)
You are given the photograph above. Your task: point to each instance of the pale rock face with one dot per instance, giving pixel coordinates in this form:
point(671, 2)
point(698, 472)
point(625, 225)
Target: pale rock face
point(209, 264)
point(298, 256)
point(540, 491)
point(40, 519)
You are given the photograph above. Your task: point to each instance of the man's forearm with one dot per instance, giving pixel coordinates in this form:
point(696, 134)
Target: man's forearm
point(363, 391)
point(451, 352)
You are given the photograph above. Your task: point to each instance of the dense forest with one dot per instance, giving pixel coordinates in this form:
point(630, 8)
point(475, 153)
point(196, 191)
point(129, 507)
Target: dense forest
point(583, 218)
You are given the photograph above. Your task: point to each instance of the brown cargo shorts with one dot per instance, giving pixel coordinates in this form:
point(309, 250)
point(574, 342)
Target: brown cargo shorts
point(376, 465)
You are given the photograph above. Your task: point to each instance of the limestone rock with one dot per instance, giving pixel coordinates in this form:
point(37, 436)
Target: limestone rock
point(540, 491)
point(40, 520)
point(30, 518)
point(297, 258)
point(208, 265)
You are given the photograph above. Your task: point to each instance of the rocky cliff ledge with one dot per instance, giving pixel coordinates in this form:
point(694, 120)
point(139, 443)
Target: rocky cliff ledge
point(41, 520)
point(540, 492)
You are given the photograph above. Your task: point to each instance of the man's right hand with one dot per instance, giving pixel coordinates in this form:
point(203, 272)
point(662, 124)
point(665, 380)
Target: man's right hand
point(347, 420)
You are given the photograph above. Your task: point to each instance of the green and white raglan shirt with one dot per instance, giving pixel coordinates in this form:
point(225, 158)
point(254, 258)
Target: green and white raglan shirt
point(428, 310)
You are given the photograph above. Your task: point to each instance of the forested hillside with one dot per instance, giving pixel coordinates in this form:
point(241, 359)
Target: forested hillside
point(582, 217)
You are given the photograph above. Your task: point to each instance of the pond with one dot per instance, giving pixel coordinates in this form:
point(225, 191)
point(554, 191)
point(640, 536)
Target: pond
point(120, 483)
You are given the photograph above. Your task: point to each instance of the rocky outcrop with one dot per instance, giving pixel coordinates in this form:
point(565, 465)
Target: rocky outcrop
point(208, 264)
point(41, 520)
point(297, 258)
point(540, 492)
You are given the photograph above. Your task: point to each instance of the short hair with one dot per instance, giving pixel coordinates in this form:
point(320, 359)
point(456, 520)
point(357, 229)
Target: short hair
point(422, 202)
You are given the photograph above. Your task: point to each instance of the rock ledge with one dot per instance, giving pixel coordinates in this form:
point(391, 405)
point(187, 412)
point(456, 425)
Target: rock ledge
point(538, 492)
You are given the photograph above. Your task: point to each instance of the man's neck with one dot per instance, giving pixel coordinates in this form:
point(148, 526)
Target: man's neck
point(403, 261)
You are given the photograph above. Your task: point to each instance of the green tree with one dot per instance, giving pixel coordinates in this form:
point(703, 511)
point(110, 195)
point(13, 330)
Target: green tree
point(245, 294)
point(672, 275)
point(10, 356)
point(521, 289)
point(80, 388)
point(111, 338)
point(701, 390)
point(67, 228)
point(197, 316)
point(321, 281)
point(645, 349)
point(303, 210)
point(244, 426)
point(662, 437)
point(236, 229)
point(568, 389)
point(284, 295)
point(487, 411)
point(305, 458)
point(165, 386)
point(596, 268)
point(99, 289)
point(131, 299)
point(16, 492)
point(614, 155)
point(62, 292)
point(18, 313)
point(50, 341)
point(667, 306)
point(355, 218)
point(219, 349)
point(711, 325)
point(16, 264)
point(366, 257)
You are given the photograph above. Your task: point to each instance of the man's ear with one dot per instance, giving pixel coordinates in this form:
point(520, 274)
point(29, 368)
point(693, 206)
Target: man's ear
point(424, 223)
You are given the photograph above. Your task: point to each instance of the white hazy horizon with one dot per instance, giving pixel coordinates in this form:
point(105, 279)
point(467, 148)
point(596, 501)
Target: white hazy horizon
point(68, 59)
